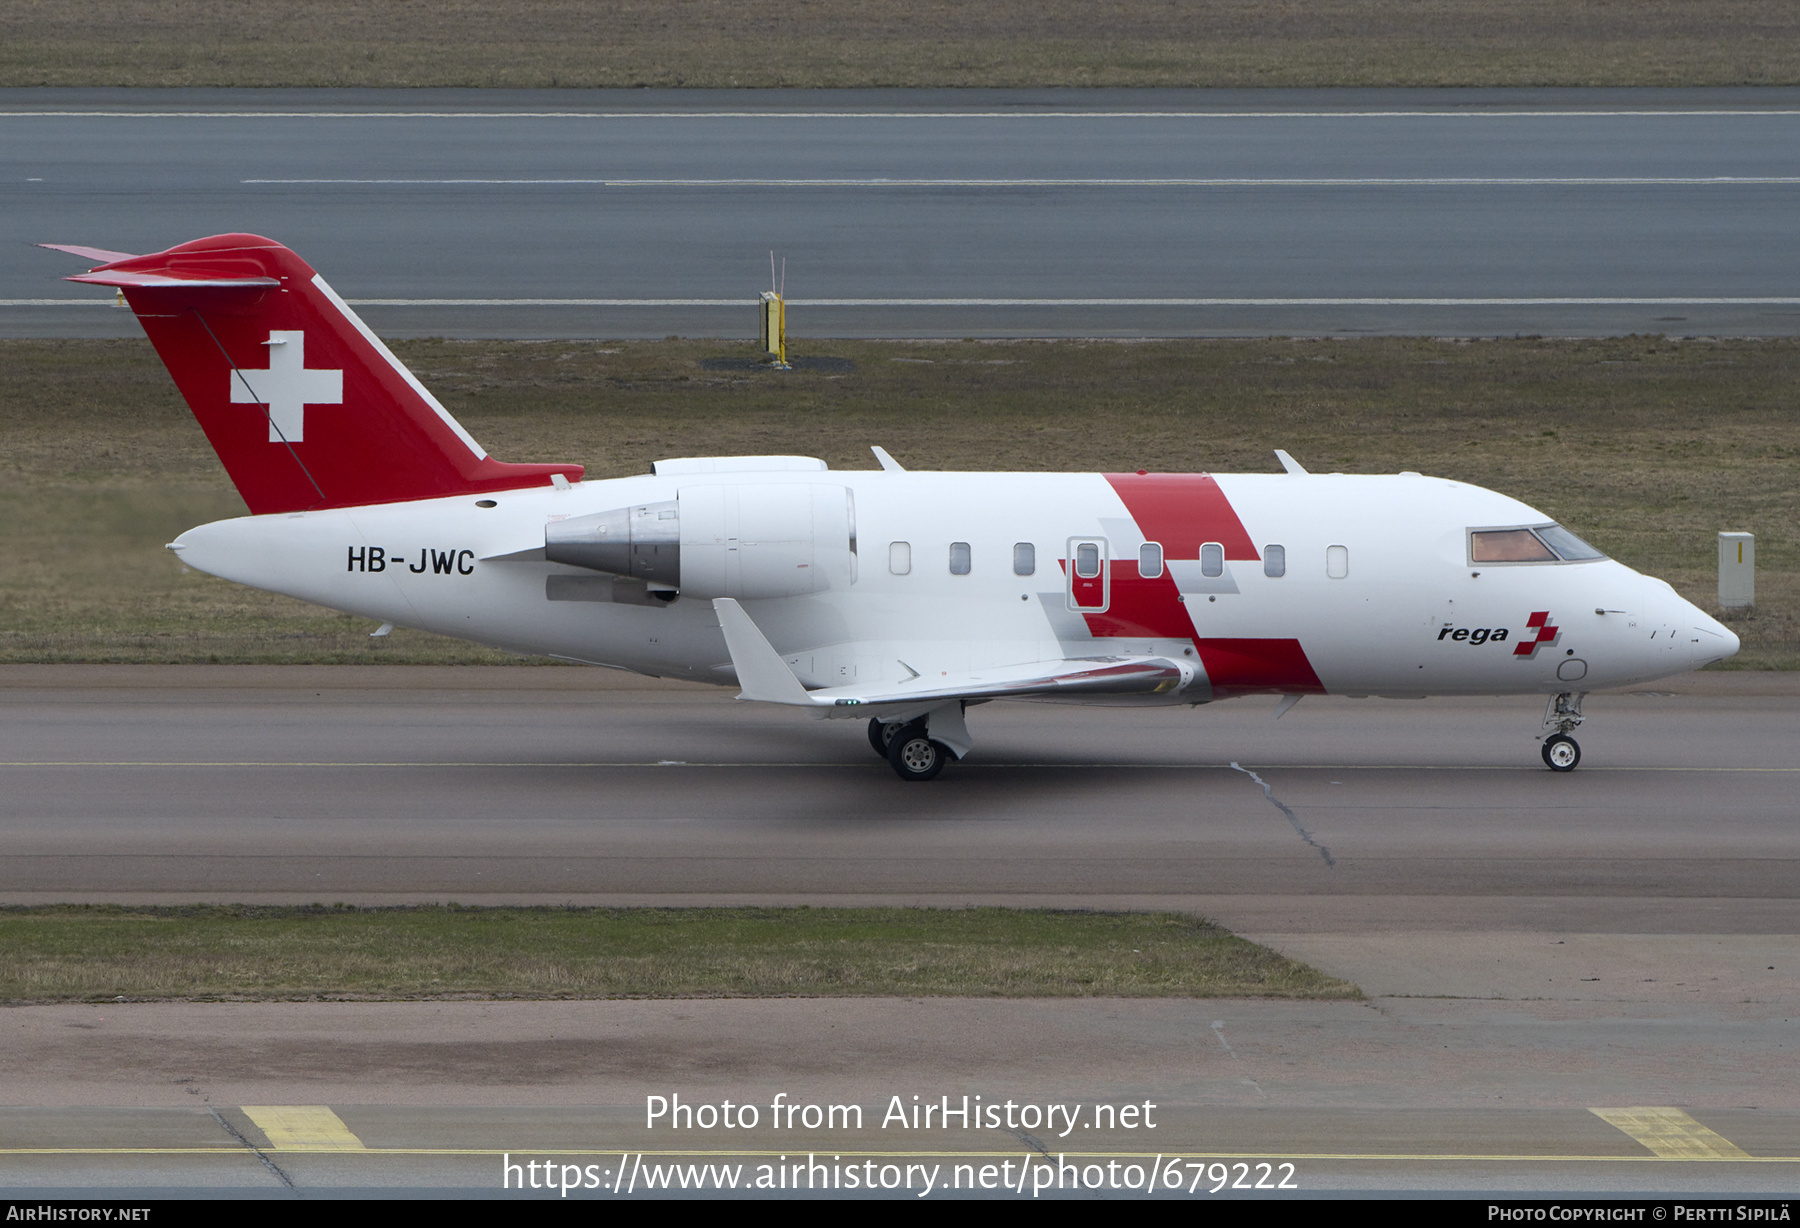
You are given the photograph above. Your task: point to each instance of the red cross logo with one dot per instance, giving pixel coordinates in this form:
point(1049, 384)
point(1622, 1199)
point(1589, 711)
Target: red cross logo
point(1546, 634)
point(286, 386)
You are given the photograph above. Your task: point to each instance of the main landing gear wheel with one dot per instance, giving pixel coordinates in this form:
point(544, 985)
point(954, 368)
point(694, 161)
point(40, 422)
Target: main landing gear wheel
point(1561, 753)
point(880, 735)
point(914, 755)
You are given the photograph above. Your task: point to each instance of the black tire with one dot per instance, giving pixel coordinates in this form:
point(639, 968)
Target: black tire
point(914, 756)
point(1561, 753)
point(880, 735)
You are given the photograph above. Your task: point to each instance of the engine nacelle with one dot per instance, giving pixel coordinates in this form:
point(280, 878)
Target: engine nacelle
point(642, 542)
point(745, 541)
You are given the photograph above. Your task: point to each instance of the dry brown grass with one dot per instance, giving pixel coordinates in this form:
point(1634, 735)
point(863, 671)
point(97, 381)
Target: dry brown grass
point(810, 43)
point(1646, 446)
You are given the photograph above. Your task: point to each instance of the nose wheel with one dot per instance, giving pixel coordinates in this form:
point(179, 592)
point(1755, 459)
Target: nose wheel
point(1561, 715)
point(1561, 753)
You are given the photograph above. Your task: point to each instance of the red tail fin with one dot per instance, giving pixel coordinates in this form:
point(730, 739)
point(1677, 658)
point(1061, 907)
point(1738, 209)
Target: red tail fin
point(304, 405)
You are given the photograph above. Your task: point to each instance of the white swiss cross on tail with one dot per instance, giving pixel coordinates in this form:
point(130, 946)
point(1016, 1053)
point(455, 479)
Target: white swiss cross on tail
point(287, 387)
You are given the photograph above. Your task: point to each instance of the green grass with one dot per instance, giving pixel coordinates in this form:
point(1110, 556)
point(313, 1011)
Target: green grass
point(77, 953)
point(1646, 446)
point(906, 43)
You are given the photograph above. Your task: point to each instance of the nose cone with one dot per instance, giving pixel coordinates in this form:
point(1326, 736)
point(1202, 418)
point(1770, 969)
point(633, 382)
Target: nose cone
point(1708, 639)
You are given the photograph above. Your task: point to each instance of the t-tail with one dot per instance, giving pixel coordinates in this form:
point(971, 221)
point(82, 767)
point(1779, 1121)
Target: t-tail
point(304, 405)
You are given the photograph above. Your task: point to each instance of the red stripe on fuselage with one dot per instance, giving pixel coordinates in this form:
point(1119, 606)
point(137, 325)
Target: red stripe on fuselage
point(1140, 607)
point(1249, 667)
point(1182, 511)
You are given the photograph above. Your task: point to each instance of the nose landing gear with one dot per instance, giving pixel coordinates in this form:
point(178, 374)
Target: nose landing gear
point(1561, 753)
point(1561, 715)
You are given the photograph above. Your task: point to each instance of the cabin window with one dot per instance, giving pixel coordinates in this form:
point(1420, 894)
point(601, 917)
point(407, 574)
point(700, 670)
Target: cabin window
point(1024, 559)
point(899, 558)
point(1212, 560)
point(1087, 560)
point(1337, 562)
point(1150, 563)
point(959, 558)
point(1275, 561)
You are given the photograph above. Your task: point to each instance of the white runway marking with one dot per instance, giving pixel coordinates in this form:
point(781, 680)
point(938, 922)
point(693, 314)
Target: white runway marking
point(1694, 301)
point(915, 115)
point(1364, 182)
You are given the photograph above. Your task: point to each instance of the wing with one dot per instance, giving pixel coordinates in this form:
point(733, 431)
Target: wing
point(765, 677)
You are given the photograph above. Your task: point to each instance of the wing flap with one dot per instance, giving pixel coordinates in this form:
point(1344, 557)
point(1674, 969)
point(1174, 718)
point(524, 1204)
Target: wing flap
point(1071, 677)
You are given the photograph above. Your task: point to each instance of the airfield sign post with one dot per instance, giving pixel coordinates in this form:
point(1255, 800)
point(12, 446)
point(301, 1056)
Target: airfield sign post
point(774, 329)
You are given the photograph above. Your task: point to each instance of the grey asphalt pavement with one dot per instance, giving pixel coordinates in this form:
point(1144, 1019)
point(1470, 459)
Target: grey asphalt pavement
point(560, 783)
point(953, 213)
point(1577, 985)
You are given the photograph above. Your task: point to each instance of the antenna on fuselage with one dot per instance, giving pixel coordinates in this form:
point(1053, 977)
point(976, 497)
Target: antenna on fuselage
point(1289, 463)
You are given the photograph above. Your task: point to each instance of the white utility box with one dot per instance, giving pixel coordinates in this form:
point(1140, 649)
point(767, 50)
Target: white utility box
point(1737, 571)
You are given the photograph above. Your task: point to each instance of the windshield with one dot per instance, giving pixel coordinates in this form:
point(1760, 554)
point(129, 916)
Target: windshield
point(1548, 543)
point(1567, 544)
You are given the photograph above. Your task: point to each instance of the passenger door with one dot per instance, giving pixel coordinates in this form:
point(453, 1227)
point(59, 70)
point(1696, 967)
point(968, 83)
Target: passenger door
point(1088, 574)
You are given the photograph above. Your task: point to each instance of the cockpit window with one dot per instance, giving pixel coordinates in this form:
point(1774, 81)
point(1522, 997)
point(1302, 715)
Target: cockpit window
point(1508, 546)
point(1549, 543)
point(1566, 544)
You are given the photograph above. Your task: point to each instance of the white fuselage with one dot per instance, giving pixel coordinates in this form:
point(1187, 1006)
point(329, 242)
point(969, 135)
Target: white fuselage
point(1378, 591)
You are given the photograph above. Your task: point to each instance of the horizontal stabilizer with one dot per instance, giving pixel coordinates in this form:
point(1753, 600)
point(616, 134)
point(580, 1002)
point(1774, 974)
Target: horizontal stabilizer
point(124, 278)
point(98, 255)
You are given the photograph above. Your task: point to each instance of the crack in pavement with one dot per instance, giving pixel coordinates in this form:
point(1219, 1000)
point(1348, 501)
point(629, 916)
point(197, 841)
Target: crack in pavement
point(1030, 1140)
point(1218, 1028)
point(237, 1134)
point(1291, 817)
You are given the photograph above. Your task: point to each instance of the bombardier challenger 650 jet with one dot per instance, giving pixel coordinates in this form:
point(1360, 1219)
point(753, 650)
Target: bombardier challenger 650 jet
point(901, 598)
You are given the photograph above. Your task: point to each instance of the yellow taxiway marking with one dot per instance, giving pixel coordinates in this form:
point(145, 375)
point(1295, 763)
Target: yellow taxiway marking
point(1672, 1134)
point(302, 1127)
point(357, 1148)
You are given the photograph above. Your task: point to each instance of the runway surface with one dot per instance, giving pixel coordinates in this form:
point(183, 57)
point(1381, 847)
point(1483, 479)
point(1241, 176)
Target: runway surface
point(557, 783)
point(938, 213)
point(1538, 950)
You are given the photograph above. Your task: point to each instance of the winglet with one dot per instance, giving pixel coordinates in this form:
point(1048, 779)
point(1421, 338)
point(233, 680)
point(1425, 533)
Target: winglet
point(761, 672)
point(1289, 463)
point(887, 462)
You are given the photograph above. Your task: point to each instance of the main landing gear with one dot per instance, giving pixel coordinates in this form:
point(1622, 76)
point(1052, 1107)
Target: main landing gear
point(909, 749)
point(1561, 715)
